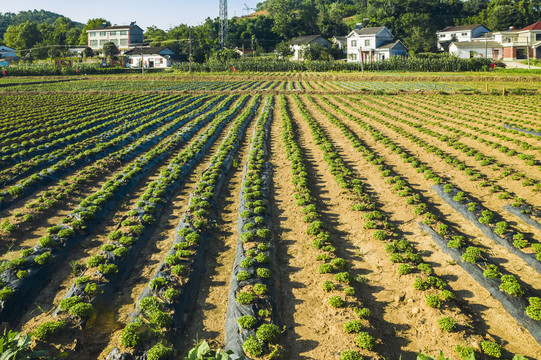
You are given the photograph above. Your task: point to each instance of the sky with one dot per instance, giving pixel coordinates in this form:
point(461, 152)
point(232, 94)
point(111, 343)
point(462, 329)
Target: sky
point(162, 13)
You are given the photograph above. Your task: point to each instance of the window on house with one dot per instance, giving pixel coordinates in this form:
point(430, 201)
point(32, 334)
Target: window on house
point(353, 43)
point(123, 32)
point(103, 33)
point(537, 37)
point(102, 42)
point(464, 34)
point(92, 34)
point(123, 42)
point(353, 57)
point(442, 35)
point(93, 43)
point(367, 43)
point(114, 41)
point(112, 33)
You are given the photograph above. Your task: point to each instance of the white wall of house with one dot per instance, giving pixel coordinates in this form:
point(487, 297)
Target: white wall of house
point(154, 61)
point(369, 45)
point(122, 37)
point(460, 35)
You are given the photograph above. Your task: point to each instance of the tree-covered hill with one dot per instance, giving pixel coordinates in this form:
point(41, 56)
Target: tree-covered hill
point(39, 16)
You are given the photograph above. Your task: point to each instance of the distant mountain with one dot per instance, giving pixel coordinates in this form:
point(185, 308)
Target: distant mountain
point(39, 16)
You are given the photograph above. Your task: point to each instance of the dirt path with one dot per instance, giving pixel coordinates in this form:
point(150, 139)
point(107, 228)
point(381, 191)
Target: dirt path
point(485, 314)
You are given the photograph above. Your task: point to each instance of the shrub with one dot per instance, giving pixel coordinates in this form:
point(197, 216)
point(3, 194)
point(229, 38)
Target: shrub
point(47, 241)
point(426, 268)
point(433, 301)
point(179, 270)
point(267, 333)
point(260, 289)
point(262, 258)
point(380, 235)
point(120, 251)
point(252, 347)
point(447, 324)
point(365, 341)
point(245, 298)
point(6, 293)
point(159, 318)
point(81, 310)
point(171, 294)
point(247, 322)
point(132, 335)
point(471, 255)
point(328, 285)
point(159, 352)
point(66, 304)
point(48, 329)
point(92, 289)
point(157, 283)
point(336, 301)
point(339, 263)
point(95, 260)
point(465, 352)
point(491, 349)
point(263, 273)
point(351, 355)
point(66, 233)
point(243, 275)
point(106, 269)
point(325, 269)
point(447, 295)
point(246, 263)
point(263, 313)
point(44, 258)
point(353, 326)
point(21, 274)
point(349, 291)
point(362, 313)
point(404, 269)
point(343, 277)
point(511, 286)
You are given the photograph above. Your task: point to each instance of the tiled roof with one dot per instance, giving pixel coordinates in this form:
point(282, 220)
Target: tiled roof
point(534, 26)
point(369, 31)
point(460, 28)
point(305, 39)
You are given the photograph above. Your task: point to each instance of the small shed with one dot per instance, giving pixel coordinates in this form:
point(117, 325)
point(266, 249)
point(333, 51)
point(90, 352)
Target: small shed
point(152, 57)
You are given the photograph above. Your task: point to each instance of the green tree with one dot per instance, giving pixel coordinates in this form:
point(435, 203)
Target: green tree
point(91, 24)
point(88, 52)
point(503, 16)
point(283, 49)
point(110, 49)
point(23, 36)
point(285, 19)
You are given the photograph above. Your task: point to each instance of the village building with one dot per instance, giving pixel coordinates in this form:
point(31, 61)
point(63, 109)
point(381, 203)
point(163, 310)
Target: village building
point(373, 44)
point(124, 37)
point(301, 43)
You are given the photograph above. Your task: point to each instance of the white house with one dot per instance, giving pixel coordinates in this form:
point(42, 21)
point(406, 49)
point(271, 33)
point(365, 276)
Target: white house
point(7, 51)
point(470, 49)
point(124, 37)
point(372, 44)
point(460, 33)
point(152, 57)
point(299, 44)
point(502, 45)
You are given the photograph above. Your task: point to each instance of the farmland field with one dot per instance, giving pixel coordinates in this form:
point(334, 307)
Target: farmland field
point(312, 217)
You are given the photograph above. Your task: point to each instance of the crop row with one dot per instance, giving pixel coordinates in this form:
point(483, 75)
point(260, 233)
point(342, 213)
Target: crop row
point(167, 300)
point(251, 320)
point(143, 126)
point(38, 263)
point(453, 238)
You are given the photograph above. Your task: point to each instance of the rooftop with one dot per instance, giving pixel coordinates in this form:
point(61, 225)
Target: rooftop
point(369, 30)
point(305, 39)
point(534, 26)
point(460, 28)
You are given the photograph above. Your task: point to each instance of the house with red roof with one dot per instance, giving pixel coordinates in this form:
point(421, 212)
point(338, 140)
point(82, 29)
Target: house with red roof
point(502, 45)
